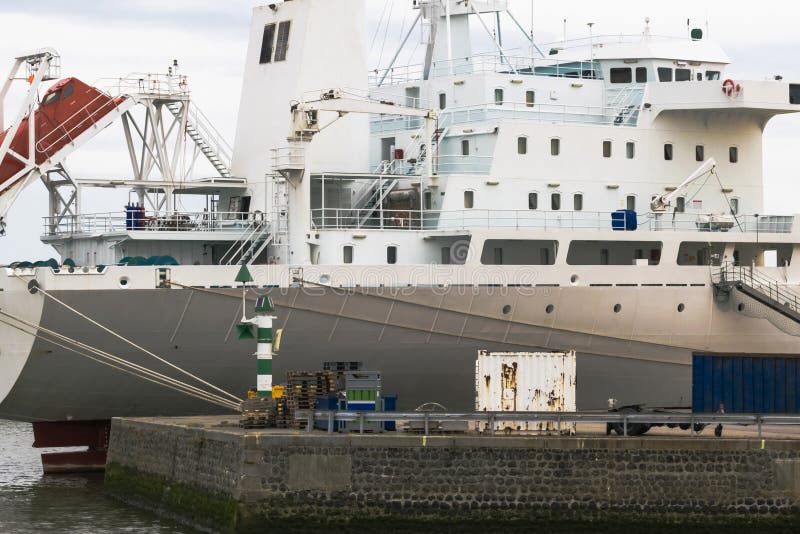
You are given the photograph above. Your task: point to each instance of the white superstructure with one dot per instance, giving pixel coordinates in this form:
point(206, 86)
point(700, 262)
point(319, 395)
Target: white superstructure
point(587, 195)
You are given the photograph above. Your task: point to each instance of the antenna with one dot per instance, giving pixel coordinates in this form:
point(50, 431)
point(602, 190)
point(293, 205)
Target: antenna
point(564, 39)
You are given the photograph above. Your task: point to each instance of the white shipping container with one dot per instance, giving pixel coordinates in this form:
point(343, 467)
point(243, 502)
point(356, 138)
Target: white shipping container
point(526, 382)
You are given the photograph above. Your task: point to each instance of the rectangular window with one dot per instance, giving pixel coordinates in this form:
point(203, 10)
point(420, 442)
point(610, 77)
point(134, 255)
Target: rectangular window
point(700, 253)
point(680, 205)
point(699, 153)
point(469, 199)
point(630, 150)
point(733, 154)
point(613, 252)
point(282, 45)
point(533, 201)
point(530, 98)
point(641, 74)
point(522, 145)
point(577, 202)
point(427, 200)
point(606, 149)
point(621, 75)
point(668, 151)
point(347, 254)
point(712, 75)
point(442, 100)
point(267, 42)
point(664, 74)
point(519, 252)
point(555, 146)
point(794, 93)
point(555, 201)
point(498, 97)
point(734, 206)
point(465, 147)
point(391, 255)
point(683, 75)
point(630, 202)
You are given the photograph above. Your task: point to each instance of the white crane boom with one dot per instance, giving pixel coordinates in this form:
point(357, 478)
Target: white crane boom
point(663, 202)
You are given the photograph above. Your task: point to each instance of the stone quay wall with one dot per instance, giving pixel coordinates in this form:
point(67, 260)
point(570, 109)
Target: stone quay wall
point(229, 480)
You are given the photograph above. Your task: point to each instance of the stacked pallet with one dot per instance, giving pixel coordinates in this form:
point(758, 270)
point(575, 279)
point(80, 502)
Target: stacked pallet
point(279, 417)
point(302, 390)
point(256, 412)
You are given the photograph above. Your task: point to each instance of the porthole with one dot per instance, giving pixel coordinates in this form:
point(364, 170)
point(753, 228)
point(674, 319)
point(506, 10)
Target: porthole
point(549, 308)
point(574, 279)
point(506, 309)
point(124, 281)
point(681, 307)
point(740, 307)
point(325, 279)
point(617, 308)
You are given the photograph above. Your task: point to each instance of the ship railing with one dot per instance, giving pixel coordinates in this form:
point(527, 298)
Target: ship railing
point(76, 124)
point(146, 83)
point(107, 223)
point(516, 60)
point(214, 140)
point(481, 219)
point(507, 110)
point(556, 422)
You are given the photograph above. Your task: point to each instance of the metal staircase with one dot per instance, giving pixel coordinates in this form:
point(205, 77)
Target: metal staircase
point(255, 238)
point(379, 192)
point(756, 285)
point(205, 136)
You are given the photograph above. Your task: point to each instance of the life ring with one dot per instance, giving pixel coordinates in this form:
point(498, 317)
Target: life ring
point(731, 88)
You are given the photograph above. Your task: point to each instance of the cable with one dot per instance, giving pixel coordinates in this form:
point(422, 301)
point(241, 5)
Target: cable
point(202, 395)
point(131, 343)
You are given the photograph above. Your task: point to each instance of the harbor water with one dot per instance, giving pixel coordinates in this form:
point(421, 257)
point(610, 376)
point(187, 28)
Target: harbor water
point(32, 502)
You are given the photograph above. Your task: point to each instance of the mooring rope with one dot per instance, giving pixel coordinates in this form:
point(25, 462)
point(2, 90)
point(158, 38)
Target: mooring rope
point(154, 377)
point(131, 343)
point(134, 369)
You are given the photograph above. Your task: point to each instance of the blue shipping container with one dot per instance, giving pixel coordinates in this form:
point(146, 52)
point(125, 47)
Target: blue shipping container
point(624, 220)
point(745, 383)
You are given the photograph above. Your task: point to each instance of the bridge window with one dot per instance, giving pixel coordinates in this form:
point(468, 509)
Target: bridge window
point(533, 201)
point(555, 146)
point(630, 202)
point(519, 252)
point(733, 154)
point(498, 97)
point(668, 151)
point(442, 100)
point(282, 45)
point(427, 200)
point(391, 254)
point(699, 153)
point(641, 74)
point(734, 205)
point(465, 147)
point(347, 254)
point(794, 93)
point(613, 252)
point(522, 145)
point(680, 205)
point(664, 74)
point(683, 75)
point(606, 149)
point(577, 202)
point(621, 75)
point(469, 199)
point(712, 75)
point(530, 98)
point(630, 150)
point(267, 43)
point(555, 201)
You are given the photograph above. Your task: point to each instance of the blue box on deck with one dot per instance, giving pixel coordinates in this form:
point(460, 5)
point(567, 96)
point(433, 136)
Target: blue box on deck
point(624, 220)
point(389, 405)
point(327, 403)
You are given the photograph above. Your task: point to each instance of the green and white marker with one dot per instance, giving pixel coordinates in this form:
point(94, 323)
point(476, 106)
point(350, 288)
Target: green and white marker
point(263, 333)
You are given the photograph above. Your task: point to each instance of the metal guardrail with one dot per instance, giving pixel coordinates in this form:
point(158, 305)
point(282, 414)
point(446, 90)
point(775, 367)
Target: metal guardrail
point(474, 219)
point(761, 283)
point(102, 223)
point(490, 418)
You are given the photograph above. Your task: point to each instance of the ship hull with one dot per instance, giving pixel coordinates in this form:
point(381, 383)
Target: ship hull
point(425, 354)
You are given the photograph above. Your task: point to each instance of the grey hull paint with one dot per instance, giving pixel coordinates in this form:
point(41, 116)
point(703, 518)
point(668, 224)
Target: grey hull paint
point(424, 354)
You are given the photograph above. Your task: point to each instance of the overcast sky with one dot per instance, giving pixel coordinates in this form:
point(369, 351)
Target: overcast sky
point(105, 38)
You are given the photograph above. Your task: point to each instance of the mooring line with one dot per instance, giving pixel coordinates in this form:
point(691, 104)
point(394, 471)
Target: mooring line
point(131, 343)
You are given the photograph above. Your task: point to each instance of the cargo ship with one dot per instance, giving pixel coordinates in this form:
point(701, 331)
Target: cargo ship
point(602, 195)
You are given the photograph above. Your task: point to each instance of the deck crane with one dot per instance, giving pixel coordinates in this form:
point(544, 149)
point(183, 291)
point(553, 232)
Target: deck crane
point(662, 203)
point(305, 116)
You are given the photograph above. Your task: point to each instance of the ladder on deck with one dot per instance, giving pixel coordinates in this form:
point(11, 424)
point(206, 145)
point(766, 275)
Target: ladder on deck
point(756, 285)
point(208, 140)
point(375, 200)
